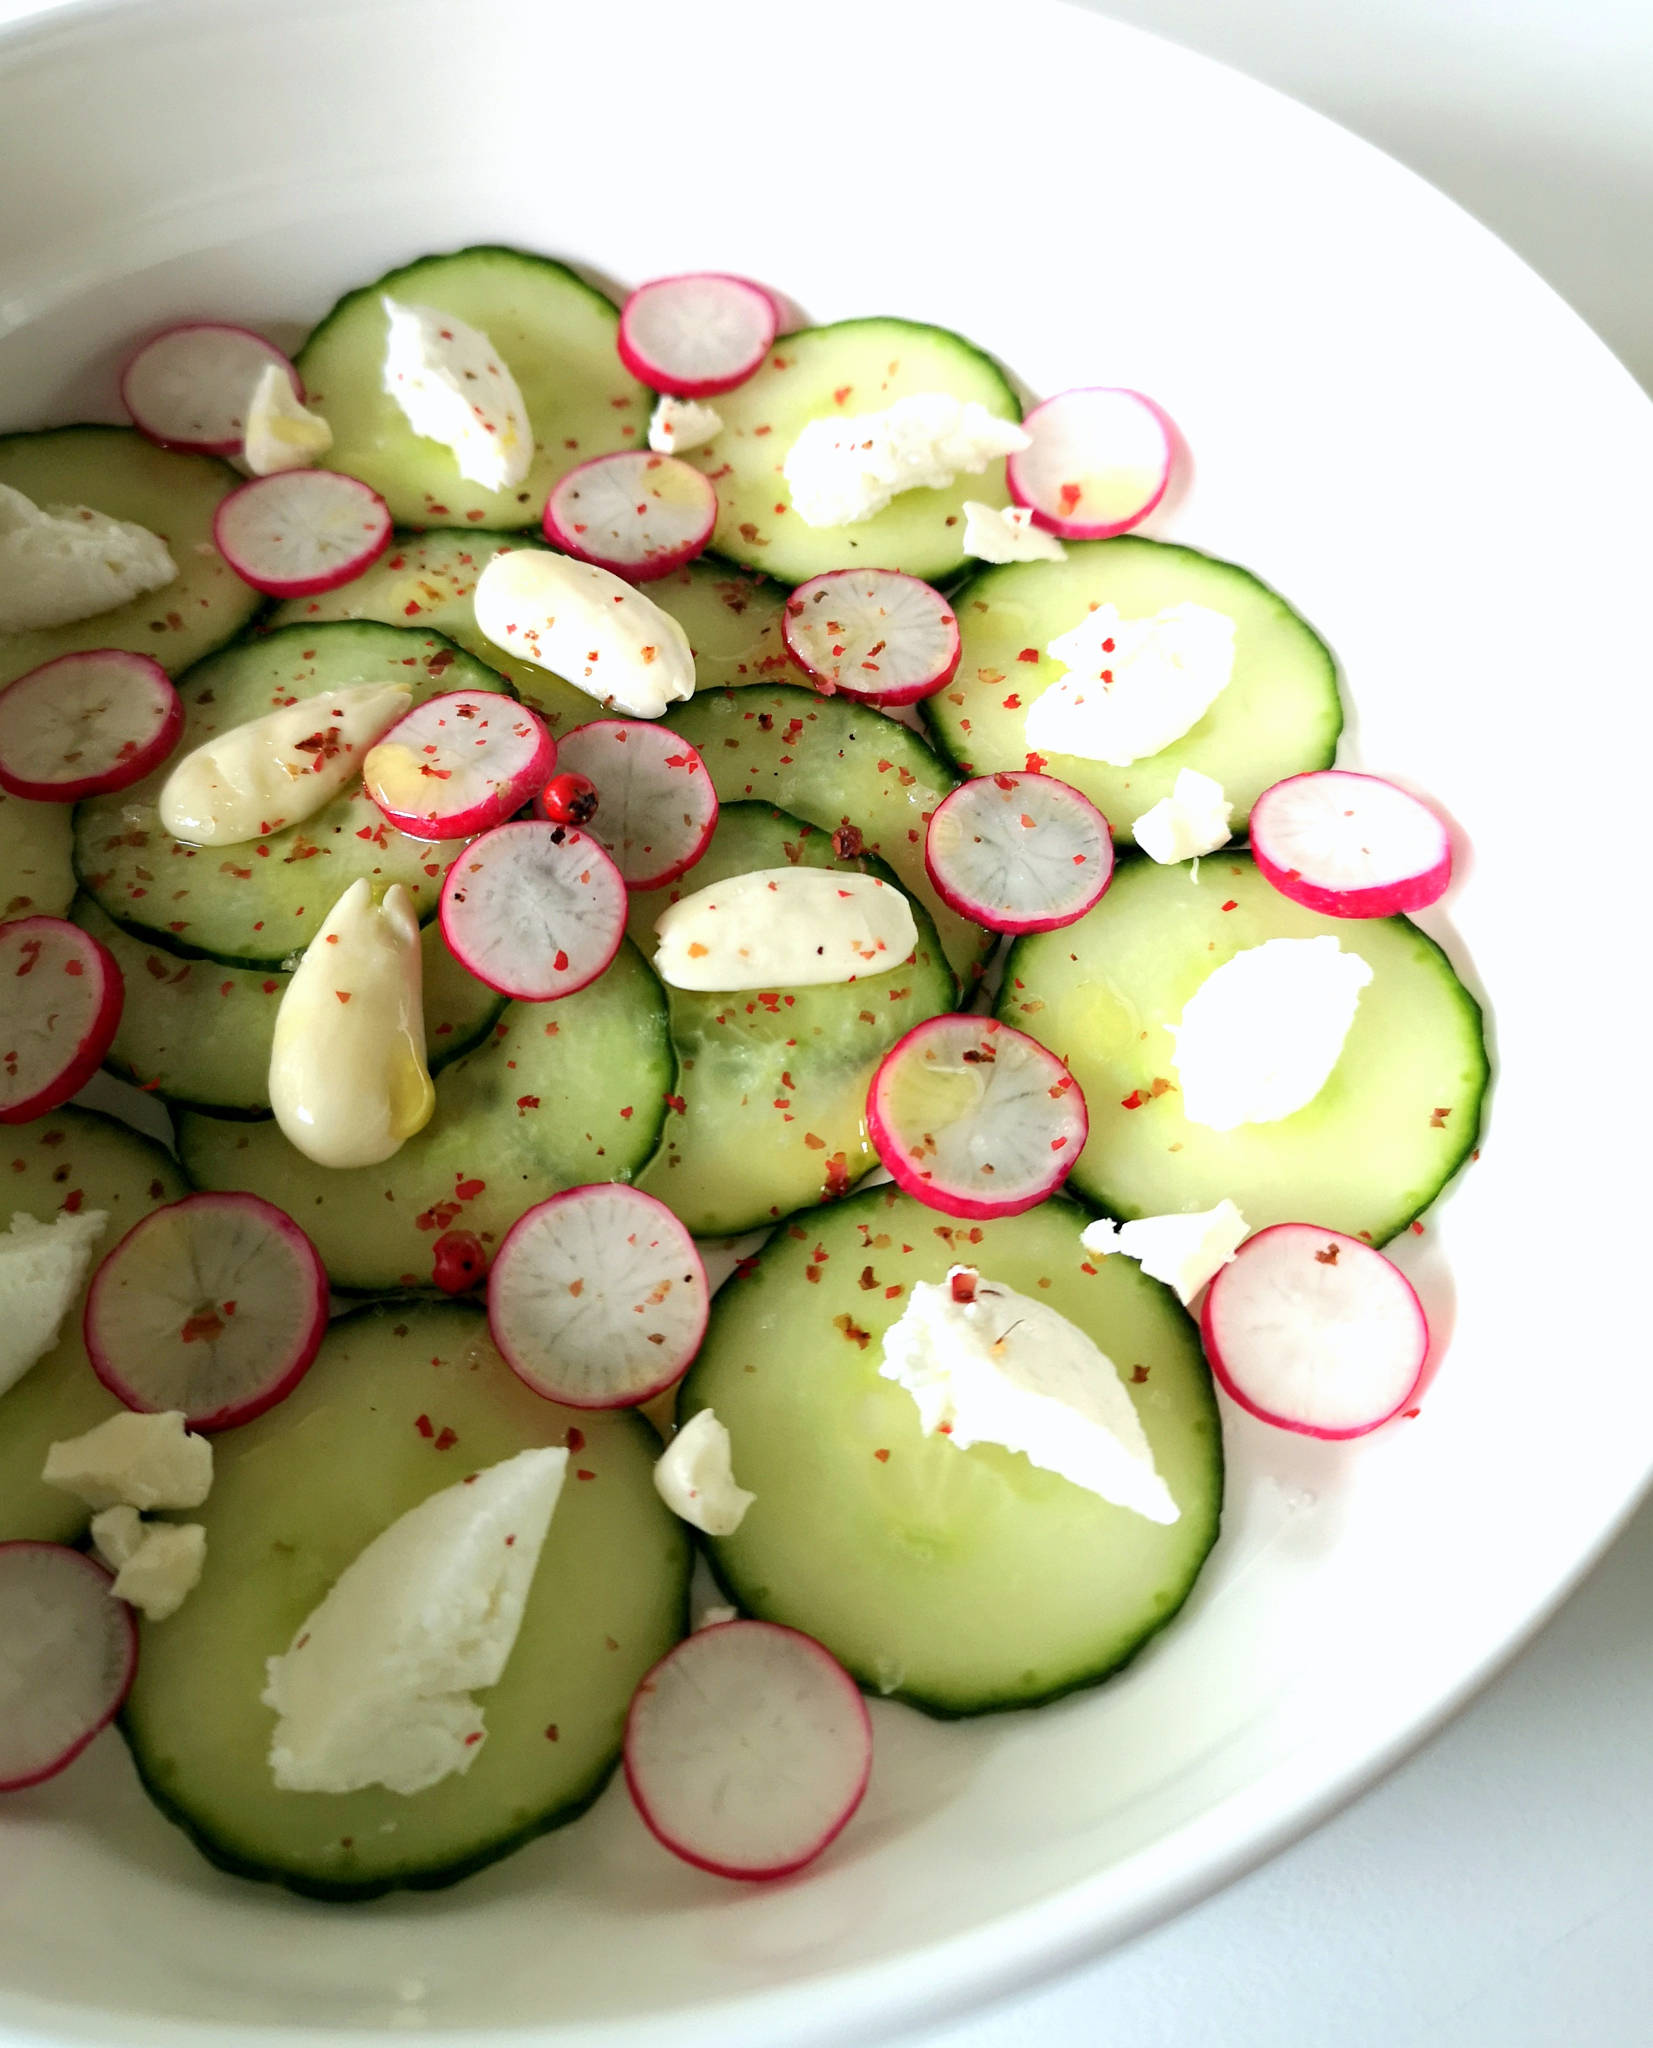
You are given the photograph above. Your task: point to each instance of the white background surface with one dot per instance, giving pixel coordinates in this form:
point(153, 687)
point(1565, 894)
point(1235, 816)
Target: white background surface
point(1497, 1892)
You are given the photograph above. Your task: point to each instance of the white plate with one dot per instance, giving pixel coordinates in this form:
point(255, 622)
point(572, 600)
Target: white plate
point(1396, 424)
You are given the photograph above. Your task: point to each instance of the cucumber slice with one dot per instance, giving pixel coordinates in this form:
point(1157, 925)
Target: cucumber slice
point(74, 1158)
point(198, 1033)
point(832, 763)
point(428, 580)
point(1397, 1118)
point(556, 335)
point(855, 366)
point(37, 874)
point(564, 1093)
point(257, 904)
point(958, 1580)
point(1279, 714)
point(115, 470)
point(774, 1087)
point(297, 1494)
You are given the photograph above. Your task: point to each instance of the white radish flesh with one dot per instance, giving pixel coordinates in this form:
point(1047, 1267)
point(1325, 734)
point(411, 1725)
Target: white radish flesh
point(975, 1119)
point(68, 1652)
point(1348, 845)
point(637, 514)
point(697, 334)
point(747, 1749)
point(656, 807)
point(86, 724)
point(1315, 1332)
point(1099, 462)
point(458, 764)
point(212, 1307)
point(61, 996)
point(872, 633)
point(535, 910)
point(301, 531)
point(1019, 852)
point(192, 387)
point(598, 1298)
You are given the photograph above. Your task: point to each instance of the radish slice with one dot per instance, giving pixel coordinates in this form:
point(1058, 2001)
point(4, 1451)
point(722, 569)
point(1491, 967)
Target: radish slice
point(68, 1652)
point(747, 1749)
point(60, 1005)
point(301, 531)
point(872, 633)
point(1098, 464)
point(458, 764)
point(533, 909)
point(974, 1118)
point(213, 1306)
point(1315, 1332)
point(696, 335)
point(86, 724)
point(1348, 845)
point(635, 514)
point(655, 805)
point(598, 1298)
point(1019, 852)
point(191, 386)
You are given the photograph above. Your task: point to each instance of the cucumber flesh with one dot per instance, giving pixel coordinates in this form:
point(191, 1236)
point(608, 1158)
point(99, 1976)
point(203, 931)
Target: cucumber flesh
point(37, 874)
point(297, 1494)
point(115, 470)
point(961, 1580)
point(259, 903)
point(80, 1159)
point(555, 334)
point(855, 366)
point(1397, 1118)
point(833, 763)
point(1279, 715)
point(198, 1033)
point(562, 1094)
point(774, 1086)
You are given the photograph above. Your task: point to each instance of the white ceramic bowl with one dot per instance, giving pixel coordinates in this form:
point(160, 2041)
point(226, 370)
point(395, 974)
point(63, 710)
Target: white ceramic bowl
point(1395, 423)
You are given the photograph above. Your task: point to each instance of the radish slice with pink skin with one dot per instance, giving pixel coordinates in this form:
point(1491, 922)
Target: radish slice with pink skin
point(1099, 462)
point(747, 1749)
point(68, 1654)
point(191, 386)
point(1019, 852)
point(214, 1306)
point(61, 996)
point(696, 335)
point(1315, 1332)
point(1348, 845)
point(636, 514)
point(656, 807)
point(598, 1298)
point(86, 724)
point(975, 1119)
point(533, 909)
point(458, 764)
point(301, 531)
point(872, 633)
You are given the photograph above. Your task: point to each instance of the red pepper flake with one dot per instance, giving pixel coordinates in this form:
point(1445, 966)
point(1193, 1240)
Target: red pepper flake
point(1028, 654)
point(475, 1736)
point(1417, 1228)
point(1328, 1257)
point(447, 1440)
point(883, 1457)
point(676, 1102)
point(1231, 904)
point(526, 1103)
point(575, 1438)
point(551, 1732)
point(1437, 1119)
point(1035, 765)
point(853, 1331)
point(964, 1285)
point(1139, 1374)
point(424, 1425)
point(814, 1143)
point(1134, 1100)
point(1411, 1414)
point(583, 1472)
point(206, 1325)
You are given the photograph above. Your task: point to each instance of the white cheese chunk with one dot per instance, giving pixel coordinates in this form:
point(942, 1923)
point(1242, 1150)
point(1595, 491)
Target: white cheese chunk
point(279, 769)
point(1192, 820)
point(376, 1687)
point(63, 563)
point(116, 1534)
point(1007, 534)
point(349, 1080)
point(43, 1267)
point(1133, 686)
point(452, 386)
point(164, 1569)
point(841, 470)
point(1183, 1251)
point(679, 423)
point(998, 1367)
point(784, 928)
point(1261, 1034)
point(588, 626)
point(281, 433)
point(133, 1460)
point(695, 1477)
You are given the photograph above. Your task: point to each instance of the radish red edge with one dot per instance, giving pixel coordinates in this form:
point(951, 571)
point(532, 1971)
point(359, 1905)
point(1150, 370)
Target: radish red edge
point(42, 691)
point(242, 353)
point(890, 622)
point(747, 300)
point(600, 513)
point(635, 771)
point(1053, 499)
point(85, 1579)
point(1429, 859)
point(532, 963)
point(1043, 806)
point(48, 944)
point(420, 731)
point(302, 531)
